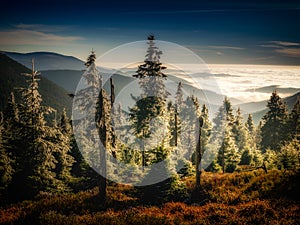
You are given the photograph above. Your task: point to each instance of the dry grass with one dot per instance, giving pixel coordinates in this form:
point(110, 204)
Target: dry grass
point(239, 198)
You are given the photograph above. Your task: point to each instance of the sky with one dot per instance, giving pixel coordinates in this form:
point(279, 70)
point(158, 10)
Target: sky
point(220, 32)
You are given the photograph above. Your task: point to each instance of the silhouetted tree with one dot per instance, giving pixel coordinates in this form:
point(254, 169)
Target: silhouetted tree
point(274, 129)
point(150, 108)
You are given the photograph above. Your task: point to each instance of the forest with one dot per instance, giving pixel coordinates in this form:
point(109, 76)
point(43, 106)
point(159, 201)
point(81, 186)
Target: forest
point(160, 161)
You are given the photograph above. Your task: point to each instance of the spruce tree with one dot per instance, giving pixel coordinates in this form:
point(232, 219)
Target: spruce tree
point(228, 156)
point(289, 155)
point(240, 132)
point(250, 125)
point(63, 154)
point(11, 133)
point(150, 109)
point(91, 59)
point(37, 158)
point(94, 92)
point(189, 115)
point(274, 129)
point(6, 170)
point(294, 121)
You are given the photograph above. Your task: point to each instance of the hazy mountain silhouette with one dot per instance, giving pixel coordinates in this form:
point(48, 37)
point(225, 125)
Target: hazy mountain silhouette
point(47, 60)
point(11, 78)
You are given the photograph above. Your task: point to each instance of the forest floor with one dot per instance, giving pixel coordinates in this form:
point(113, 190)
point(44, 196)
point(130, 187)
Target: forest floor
point(252, 197)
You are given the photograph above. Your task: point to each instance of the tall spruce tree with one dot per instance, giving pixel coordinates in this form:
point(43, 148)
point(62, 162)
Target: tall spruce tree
point(94, 92)
point(37, 160)
point(150, 109)
point(274, 129)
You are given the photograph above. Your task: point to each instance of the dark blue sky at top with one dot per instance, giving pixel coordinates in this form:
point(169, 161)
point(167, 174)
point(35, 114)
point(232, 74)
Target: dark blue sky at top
point(262, 31)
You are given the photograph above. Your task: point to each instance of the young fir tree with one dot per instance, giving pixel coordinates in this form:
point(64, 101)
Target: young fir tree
point(289, 155)
point(63, 156)
point(150, 109)
point(251, 132)
point(228, 156)
point(274, 129)
point(240, 133)
point(250, 125)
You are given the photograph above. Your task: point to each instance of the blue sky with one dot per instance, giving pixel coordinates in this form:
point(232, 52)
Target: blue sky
point(247, 32)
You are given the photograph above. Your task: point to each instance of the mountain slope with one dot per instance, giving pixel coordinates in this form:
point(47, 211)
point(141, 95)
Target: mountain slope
point(11, 78)
point(47, 60)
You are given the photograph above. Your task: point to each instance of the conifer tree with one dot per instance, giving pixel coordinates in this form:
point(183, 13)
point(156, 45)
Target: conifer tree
point(228, 156)
point(91, 59)
point(274, 129)
point(176, 110)
point(294, 121)
point(37, 158)
point(6, 170)
point(240, 132)
point(63, 154)
point(250, 125)
point(251, 133)
point(289, 155)
point(94, 92)
point(150, 109)
point(189, 115)
point(11, 133)
point(206, 129)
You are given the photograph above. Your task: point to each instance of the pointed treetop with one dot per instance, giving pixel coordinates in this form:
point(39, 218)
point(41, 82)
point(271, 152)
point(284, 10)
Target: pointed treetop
point(151, 37)
point(91, 59)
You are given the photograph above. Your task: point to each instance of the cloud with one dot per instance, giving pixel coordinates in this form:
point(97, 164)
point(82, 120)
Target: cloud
point(31, 37)
point(286, 48)
point(285, 43)
point(42, 27)
point(291, 52)
point(225, 47)
point(280, 44)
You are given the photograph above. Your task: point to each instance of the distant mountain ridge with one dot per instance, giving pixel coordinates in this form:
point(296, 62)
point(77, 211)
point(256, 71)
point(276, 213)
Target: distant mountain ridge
point(11, 78)
point(66, 71)
point(47, 60)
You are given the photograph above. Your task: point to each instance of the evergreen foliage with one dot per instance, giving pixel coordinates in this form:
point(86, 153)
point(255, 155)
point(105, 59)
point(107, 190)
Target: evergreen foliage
point(6, 170)
point(228, 156)
point(274, 129)
point(149, 114)
point(294, 121)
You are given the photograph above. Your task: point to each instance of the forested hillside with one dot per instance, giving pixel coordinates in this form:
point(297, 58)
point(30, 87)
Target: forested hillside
point(162, 160)
point(11, 79)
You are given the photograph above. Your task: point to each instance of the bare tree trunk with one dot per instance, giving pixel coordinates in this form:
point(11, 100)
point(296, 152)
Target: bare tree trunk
point(198, 155)
point(176, 129)
point(143, 153)
point(102, 181)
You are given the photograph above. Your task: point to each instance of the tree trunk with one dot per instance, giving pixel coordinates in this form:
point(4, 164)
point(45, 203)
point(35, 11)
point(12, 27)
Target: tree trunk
point(198, 155)
point(102, 181)
point(176, 129)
